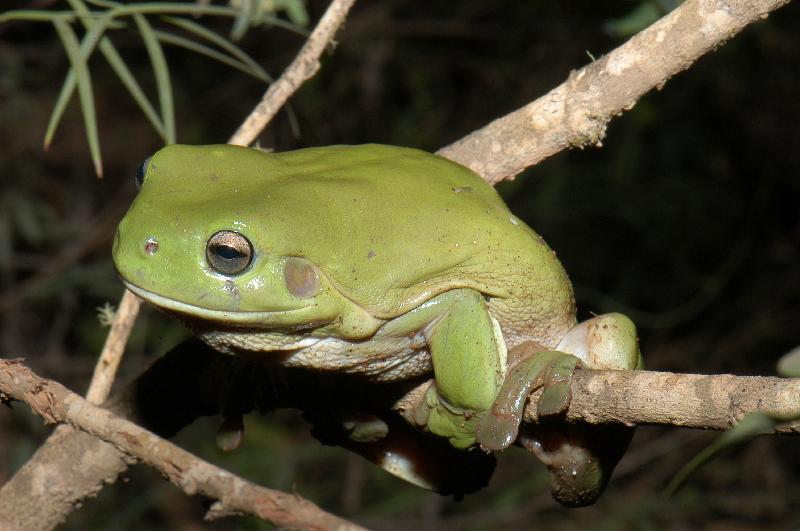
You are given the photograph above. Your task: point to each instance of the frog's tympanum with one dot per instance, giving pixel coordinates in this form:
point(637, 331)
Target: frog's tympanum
point(387, 263)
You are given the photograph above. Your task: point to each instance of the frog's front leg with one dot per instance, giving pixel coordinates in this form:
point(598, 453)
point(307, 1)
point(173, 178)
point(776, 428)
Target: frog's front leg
point(469, 364)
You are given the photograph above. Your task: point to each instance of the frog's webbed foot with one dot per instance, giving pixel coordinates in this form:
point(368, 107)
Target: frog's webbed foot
point(420, 458)
point(579, 457)
point(531, 366)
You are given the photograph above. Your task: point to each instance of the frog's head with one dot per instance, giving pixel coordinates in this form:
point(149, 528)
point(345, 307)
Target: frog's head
point(197, 242)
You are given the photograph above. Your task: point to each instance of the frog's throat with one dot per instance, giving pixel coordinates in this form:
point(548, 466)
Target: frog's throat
point(230, 318)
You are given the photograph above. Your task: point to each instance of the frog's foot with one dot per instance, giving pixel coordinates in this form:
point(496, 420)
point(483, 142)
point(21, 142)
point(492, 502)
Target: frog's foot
point(531, 366)
point(579, 457)
point(420, 458)
point(230, 433)
point(441, 418)
point(363, 428)
point(429, 461)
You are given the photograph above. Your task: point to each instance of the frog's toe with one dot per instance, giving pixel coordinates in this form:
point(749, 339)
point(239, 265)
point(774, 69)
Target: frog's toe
point(552, 370)
point(431, 462)
point(417, 457)
point(580, 458)
point(230, 433)
point(556, 380)
point(555, 399)
point(497, 431)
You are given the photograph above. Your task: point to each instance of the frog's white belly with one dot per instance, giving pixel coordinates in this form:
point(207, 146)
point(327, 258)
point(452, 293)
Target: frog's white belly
point(380, 359)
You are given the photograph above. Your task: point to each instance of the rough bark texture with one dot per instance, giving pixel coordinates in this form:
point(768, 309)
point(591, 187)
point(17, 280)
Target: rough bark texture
point(577, 112)
point(55, 403)
point(71, 466)
point(628, 397)
point(713, 402)
point(106, 368)
point(708, 402)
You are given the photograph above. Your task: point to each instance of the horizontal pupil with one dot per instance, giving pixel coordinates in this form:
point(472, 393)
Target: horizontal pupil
point(227, 252)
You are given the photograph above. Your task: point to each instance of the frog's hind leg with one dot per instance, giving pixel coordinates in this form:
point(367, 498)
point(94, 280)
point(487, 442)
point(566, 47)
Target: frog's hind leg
point(418, 457)
point(581, 457)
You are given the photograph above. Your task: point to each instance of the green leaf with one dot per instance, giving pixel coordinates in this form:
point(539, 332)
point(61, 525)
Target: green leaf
point(177, 40)
point(222, 42)
point(751, 425)
point(158, 8)
point(84, 81)
point(120, 68)
point(228, 46)
point(125, 75)
point(161, 72)
point(789, 364)
point(295, 10)
point(36, 15)
point(244, 19)
point(87, 47)
point(196, 10)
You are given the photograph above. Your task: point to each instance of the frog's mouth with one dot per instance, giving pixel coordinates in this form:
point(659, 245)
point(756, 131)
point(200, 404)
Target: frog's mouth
point(224, 319)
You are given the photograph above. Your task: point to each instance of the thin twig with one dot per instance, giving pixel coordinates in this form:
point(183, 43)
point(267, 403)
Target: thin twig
point(106, 368)
point(234, 495)
point(576, 113)
point(303, 67)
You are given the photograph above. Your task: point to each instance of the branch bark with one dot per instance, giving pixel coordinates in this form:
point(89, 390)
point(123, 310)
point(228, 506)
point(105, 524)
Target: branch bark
point(708, 402)
point(54, 403)
point(711, 402)
point(106, 368)
point(576, 113)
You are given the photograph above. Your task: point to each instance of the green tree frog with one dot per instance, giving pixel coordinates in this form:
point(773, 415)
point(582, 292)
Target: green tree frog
point(380, 261)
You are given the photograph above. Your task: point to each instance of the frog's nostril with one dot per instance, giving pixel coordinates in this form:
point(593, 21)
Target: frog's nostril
point(151, 245)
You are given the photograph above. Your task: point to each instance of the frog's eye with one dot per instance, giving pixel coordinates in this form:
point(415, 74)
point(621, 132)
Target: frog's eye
point(229, 252)
point(140, 171)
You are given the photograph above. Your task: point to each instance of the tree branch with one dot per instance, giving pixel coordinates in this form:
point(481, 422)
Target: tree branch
point(708, 402)
point(107, 364)
point(55, 403)
point(576, 113)
point(712, 402)
point(303, 67)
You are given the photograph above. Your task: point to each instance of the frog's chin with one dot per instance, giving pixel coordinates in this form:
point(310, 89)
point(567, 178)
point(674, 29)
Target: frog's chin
point(227, 318)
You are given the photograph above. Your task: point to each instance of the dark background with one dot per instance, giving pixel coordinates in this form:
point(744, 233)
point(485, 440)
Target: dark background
point(686, 219)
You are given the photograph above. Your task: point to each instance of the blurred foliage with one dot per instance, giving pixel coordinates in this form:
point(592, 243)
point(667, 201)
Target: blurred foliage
point(686, 219)
point(112, 16)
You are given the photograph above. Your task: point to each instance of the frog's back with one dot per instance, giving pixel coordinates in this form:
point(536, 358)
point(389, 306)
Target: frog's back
point(392, 227)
